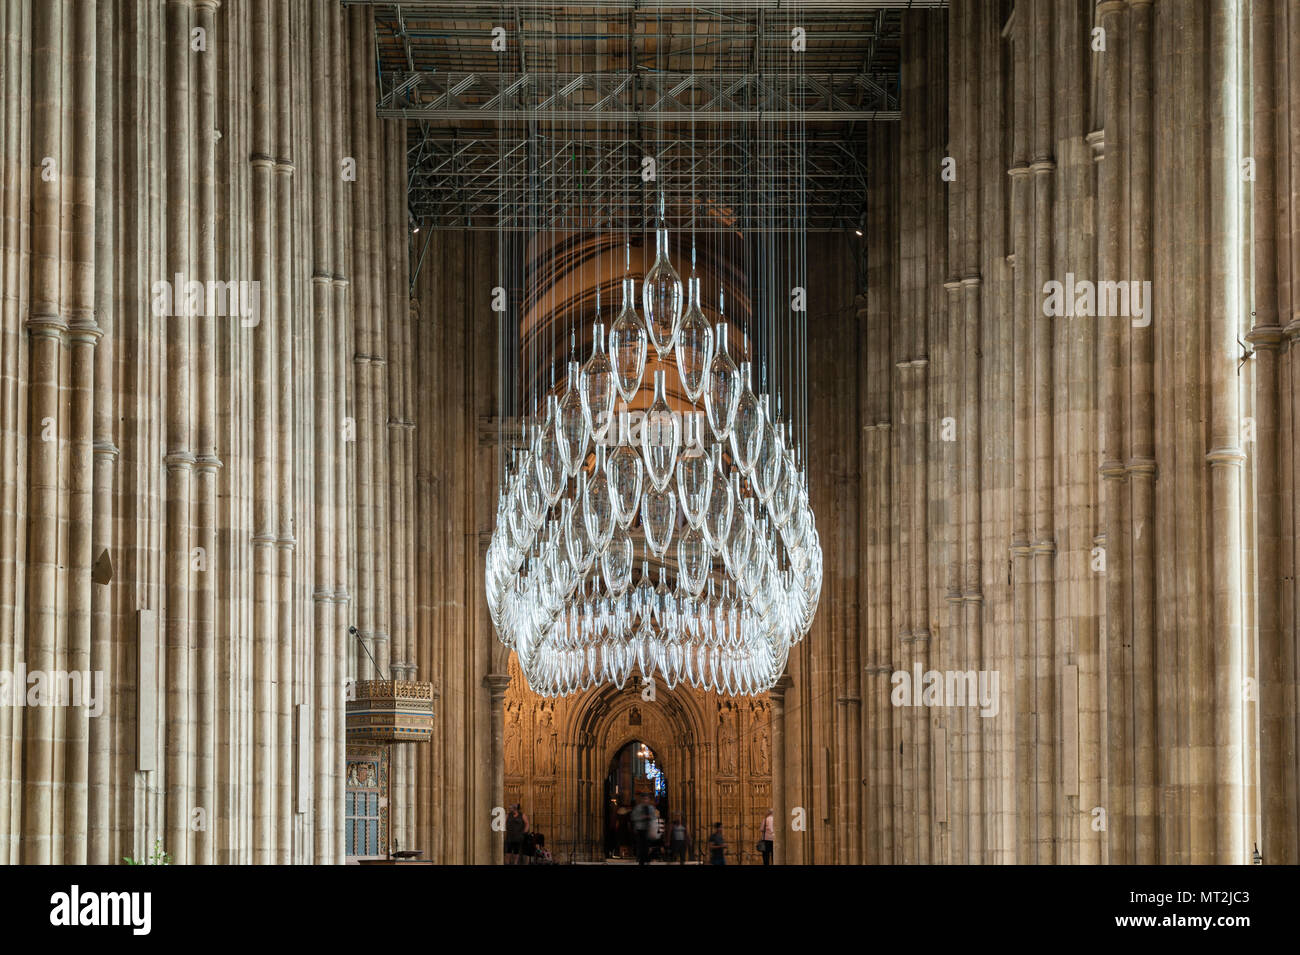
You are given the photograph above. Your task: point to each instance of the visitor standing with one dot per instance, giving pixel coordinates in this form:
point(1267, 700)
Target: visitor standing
point(644, 818)
point(717, 846)
point(768, 838)
point(679, 841)
point(516, 828)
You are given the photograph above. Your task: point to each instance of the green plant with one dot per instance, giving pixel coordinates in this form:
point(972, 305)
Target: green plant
point(157, 857)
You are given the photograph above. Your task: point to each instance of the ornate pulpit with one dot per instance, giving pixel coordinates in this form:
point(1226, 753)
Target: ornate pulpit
point(380, 715)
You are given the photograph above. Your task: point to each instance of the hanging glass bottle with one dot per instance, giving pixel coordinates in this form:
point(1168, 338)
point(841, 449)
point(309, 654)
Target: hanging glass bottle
point(597, 507)
point(694, 345)
point(717, 517)
point(661, 293)
point(747, 430)
point(627, 345)
point(694, 470)
point(625, 473)
point(571, 424)
point(661, 436)
point(616, 563)
point(692, 561)
point(723, 389)
point(767, 466)
point(658, 514)
point(597, 386)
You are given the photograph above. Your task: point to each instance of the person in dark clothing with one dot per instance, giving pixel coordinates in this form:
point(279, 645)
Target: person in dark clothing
point(768, 838)
point(645, 820)
point(679, 842)
point(516, 829)
point(717, 846)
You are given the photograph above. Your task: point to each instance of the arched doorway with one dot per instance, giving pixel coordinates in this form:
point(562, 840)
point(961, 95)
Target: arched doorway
point(635, 773)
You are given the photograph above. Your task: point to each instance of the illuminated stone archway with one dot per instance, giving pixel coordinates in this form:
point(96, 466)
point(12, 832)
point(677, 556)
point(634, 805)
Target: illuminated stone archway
point(714, 751)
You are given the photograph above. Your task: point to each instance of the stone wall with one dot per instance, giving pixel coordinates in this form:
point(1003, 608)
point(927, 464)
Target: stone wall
point(1092, 506)
point(197, 506)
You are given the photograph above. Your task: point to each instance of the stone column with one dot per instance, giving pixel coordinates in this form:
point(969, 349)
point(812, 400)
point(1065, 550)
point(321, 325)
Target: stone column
point(496, 684)
point(1111, 261)
point(780, 810)
point(1272, 167)
point(99, 849)
point(1225, 456)
point(265, 448)
point(1141, 462)
point(325, 762)
point(206, 462)
point(286, 320)
point(363, 312)
point(344, 409)
point(179, 449)
point(83, 334)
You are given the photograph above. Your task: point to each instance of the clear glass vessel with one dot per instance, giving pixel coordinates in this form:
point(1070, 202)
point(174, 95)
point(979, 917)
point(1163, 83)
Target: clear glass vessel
point(597, 386)
point(722, 392)
point(658, 514)
point(694, 345)
point(661, 294)
point(627, 345)
point(624, 470)
point(597, 506)
point(747, 429)
point(661, 436)
point(571, 424)
point(694, 470)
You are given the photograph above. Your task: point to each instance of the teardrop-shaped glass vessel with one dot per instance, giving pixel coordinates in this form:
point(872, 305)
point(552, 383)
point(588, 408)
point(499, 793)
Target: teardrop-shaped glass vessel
point(694, 345)
point(658, 514)
point(596, 386)
point(616, 562)
point(625, 473)
point(692, 561)
point(767, 466)
point(736, 548)
point(747, 430)
point(627, 345)
point(786, 493)
point(576, 540)
point(549, 458)
point(722, 391)
point(661, 436)
point(597, 506)
point(571, 424)
point(717, 518)
point(694, 470)
point(661, 294)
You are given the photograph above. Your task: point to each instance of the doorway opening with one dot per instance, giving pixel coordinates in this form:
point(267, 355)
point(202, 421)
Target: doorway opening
point(634, 772)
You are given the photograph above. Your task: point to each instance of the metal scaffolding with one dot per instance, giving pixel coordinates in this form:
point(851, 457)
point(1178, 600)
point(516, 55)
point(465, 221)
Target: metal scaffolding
point(553, 127)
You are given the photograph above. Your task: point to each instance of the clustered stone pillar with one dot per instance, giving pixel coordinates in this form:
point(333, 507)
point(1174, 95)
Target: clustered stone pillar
point(1107, 519)
point(184, 455)
point(1275, 149)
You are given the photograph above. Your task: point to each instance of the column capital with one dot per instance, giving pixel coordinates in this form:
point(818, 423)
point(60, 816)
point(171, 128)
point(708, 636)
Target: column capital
point(1097, 140)
point(777, 691)
point(497, 683)
point(1265, 336)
